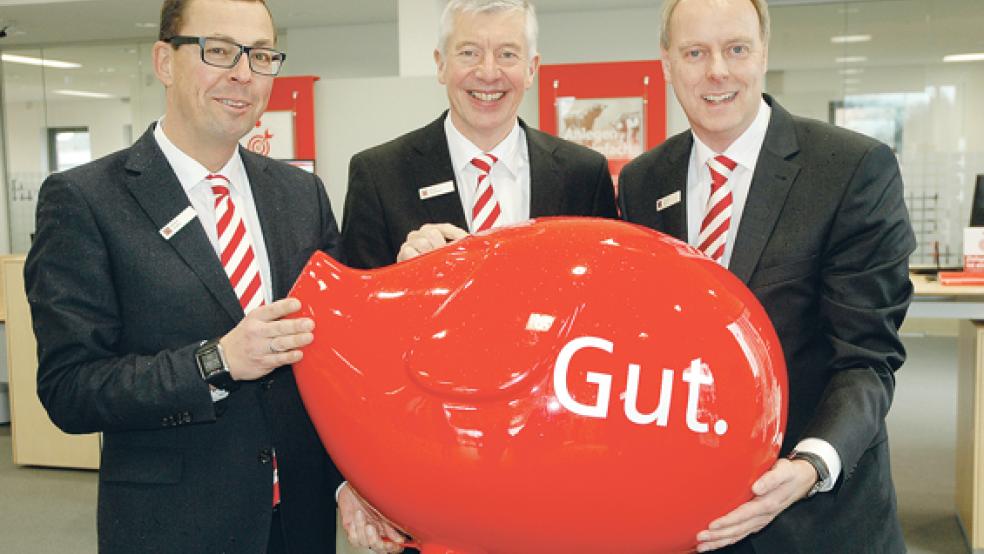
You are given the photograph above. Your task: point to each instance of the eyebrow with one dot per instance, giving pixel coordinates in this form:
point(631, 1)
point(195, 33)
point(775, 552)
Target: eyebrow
point(262, 43)
point(465, 43)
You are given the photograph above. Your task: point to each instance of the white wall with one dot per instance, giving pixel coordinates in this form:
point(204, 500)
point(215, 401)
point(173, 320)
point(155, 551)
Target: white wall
point(343, 51)
point(600, 35)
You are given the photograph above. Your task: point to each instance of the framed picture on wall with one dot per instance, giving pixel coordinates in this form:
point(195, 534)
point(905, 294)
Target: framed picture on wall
point(617, 108)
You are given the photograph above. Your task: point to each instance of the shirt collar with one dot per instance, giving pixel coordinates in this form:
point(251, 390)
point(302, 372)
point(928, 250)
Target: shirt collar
point(188, 170)
point(745, 149)
point(508, 152)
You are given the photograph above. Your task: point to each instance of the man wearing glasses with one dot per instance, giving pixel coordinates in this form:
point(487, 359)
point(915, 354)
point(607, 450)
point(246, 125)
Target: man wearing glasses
point(157, 282)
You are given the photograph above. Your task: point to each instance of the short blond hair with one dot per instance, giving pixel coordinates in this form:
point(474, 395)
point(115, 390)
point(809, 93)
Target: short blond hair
point(761, 8)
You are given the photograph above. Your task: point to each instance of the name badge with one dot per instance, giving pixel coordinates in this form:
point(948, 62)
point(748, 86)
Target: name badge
point(667, 201)
point(178, 222)
point(436, 190)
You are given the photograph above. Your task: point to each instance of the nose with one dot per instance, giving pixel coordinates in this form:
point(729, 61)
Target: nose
point(717, 67)
point(488, 68)
point(241, 71)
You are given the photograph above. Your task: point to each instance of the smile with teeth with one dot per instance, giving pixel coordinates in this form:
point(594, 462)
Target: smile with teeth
point(486, 96)
point(233, 103)
point(718, 98)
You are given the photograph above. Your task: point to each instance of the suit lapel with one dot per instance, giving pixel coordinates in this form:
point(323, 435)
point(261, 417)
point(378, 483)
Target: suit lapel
point(669, 177)
point(270, 211)
point(156, 189)
point(430, 164)
point(774, 175)
point(546, 175)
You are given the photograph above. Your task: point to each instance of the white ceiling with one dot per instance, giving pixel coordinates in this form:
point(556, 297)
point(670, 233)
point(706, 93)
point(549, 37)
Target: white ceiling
point(39, 22)
point(904, 32)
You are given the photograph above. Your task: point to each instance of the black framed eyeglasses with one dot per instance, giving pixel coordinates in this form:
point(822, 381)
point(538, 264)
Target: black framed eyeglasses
point(225, 54)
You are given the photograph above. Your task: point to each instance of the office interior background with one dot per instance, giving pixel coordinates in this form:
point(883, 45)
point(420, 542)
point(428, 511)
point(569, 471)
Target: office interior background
point(76, 83)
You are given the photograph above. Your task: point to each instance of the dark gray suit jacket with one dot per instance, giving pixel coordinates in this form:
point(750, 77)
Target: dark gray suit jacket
point(824, 242)
point(118, 312)
point(383, 204)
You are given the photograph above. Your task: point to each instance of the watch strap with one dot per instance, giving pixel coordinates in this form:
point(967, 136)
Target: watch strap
point(213, 366)
point(819, 465)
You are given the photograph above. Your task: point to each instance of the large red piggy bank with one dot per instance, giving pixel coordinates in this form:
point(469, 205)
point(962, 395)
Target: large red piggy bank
point(567, 385)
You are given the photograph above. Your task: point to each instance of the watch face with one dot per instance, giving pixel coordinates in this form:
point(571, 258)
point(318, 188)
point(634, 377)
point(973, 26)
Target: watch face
point(211, 362)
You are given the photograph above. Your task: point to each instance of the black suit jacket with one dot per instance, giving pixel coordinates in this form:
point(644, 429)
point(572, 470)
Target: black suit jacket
point(383, 204)
point(118, 312)
point(823, 243)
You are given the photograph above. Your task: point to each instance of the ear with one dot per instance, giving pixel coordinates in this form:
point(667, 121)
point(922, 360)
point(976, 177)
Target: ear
point(163, 57)
point(665, 62)
point(441, 66)
point(532, 69)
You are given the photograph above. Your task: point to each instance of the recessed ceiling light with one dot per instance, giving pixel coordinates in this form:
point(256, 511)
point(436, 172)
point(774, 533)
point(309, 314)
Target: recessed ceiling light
point(851, 71)
point(851, 59)
point(12, 58)
point(83, 93)
point(971, 57)
point(844, 39)
point(146, 25)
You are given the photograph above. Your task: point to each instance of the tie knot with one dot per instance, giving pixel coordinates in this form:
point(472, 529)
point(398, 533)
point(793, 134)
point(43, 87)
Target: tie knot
point(219, 183)
point(722, 164)
point(484, 162)
point(721, 167)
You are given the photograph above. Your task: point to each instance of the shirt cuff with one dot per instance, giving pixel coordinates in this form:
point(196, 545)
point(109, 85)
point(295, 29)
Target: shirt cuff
point(218, 394)
point(339, 490)
point(829, 455)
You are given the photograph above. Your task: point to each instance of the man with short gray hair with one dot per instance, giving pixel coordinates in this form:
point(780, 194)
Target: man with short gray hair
point(478, 166)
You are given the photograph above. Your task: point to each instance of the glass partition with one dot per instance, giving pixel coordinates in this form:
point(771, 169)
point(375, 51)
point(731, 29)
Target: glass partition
point(888, 69)
point(79, 101)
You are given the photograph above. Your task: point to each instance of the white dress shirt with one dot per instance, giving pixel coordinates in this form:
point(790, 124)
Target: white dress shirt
point(510, 175)
point(745, 152)
point(191, 175)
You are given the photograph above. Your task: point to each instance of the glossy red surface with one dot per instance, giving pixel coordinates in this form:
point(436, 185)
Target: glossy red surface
point(568, 385)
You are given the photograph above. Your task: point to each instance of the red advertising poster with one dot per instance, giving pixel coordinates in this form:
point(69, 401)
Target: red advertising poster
point(286, 129)
point(617, 108)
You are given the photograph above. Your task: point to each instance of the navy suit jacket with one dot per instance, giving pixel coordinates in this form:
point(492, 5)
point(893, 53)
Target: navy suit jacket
point(383, 204)
point(823, 243)
point(118, 312)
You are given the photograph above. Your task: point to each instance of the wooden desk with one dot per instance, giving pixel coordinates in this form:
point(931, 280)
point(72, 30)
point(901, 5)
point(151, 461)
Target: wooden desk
point(965, 303)
point(36, 441)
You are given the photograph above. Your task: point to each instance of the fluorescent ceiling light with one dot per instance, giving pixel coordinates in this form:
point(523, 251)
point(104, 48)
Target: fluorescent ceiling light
point(972, 57)
point(843, 39)
point(83, 94)
point(12, 58)
point(851, 59)
point(851, 71)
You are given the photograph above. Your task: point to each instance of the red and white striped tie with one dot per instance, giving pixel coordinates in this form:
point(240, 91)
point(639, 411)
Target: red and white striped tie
point(236, 251)
point(713, 235)
point(486, 210)
point(239, 262)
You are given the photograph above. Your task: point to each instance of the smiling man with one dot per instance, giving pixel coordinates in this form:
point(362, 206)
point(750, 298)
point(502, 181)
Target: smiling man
point(478, 166)
point(811, 217)
point(157, 281)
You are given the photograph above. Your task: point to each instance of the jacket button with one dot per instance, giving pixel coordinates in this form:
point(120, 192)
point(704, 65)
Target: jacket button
point(266, 455)
point(185, 417)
